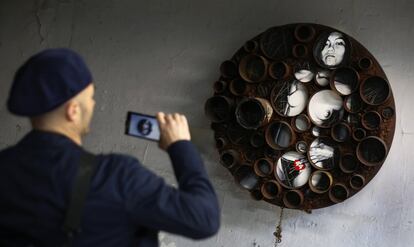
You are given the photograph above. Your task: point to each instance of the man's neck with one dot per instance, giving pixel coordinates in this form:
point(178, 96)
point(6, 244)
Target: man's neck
point(75, 137)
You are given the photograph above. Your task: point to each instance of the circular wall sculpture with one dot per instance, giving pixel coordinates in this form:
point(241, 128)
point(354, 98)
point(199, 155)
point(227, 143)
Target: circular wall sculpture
point(303, 116)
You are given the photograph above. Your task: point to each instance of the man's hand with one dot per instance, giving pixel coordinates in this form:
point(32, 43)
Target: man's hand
point(173, 127)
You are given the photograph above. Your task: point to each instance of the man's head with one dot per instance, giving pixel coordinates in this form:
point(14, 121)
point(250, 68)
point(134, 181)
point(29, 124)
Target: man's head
point(54, 89)
point(73, 116)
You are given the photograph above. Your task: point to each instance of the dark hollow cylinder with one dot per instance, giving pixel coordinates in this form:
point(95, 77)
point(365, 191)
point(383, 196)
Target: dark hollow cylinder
point(252, 113)
point(218, 108)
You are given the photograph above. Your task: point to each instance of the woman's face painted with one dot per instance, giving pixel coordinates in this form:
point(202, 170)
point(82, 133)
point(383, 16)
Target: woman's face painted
point(333, 52)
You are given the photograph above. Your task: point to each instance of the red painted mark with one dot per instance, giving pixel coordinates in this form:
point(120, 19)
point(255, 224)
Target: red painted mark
point(298, 165)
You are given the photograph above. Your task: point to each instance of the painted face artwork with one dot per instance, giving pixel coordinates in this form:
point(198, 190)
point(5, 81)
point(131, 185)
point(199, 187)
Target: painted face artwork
point(325, 108)
point(291, 98)
point(333, 51)
point(330, 121)
point(323, 153)
point(293, 169)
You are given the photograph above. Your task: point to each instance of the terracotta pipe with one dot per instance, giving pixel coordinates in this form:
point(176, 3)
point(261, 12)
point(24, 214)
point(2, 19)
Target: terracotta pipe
point(293, 198)
point(338, 193)
point(271, 189)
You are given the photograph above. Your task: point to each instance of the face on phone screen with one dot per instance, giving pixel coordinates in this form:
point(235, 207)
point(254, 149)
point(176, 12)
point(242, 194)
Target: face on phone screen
point(142, 126)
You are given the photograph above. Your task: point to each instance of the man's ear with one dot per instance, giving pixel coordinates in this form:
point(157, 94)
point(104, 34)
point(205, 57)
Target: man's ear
point(72, 110)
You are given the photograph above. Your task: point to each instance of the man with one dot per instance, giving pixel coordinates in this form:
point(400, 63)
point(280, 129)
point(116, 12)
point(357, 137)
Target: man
point(126, 204)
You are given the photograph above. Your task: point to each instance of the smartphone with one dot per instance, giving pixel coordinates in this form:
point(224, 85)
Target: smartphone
point(142, 126)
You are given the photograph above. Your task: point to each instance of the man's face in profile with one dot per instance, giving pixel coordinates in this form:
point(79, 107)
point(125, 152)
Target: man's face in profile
point(88, 106)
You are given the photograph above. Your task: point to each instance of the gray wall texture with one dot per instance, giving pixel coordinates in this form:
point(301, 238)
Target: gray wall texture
point(164, 55)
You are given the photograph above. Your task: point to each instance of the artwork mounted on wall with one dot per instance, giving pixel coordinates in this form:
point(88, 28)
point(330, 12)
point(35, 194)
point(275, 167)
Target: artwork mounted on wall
point(303, 116)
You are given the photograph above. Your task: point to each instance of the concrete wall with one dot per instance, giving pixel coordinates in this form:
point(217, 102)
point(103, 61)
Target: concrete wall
point(164, 55)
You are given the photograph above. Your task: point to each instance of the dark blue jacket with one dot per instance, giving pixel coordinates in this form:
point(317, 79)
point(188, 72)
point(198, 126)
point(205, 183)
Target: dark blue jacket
point(126, 206)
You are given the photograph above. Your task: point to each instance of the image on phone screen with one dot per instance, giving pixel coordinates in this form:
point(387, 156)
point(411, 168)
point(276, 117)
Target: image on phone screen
point(142, 126)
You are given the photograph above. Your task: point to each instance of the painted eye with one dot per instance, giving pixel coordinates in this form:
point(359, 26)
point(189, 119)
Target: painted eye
point(340, 43)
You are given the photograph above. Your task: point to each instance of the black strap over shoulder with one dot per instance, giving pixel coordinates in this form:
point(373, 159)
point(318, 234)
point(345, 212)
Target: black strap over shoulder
point(71, 226)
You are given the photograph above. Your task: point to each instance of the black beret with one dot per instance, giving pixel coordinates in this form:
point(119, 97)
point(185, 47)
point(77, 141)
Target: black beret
point(46, 81)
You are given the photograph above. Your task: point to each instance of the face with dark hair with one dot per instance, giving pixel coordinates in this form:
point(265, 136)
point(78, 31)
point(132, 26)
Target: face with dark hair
point(333, 51)
point(144, 127)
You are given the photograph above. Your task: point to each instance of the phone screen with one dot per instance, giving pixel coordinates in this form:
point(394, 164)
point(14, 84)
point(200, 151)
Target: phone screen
point(142, 126)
